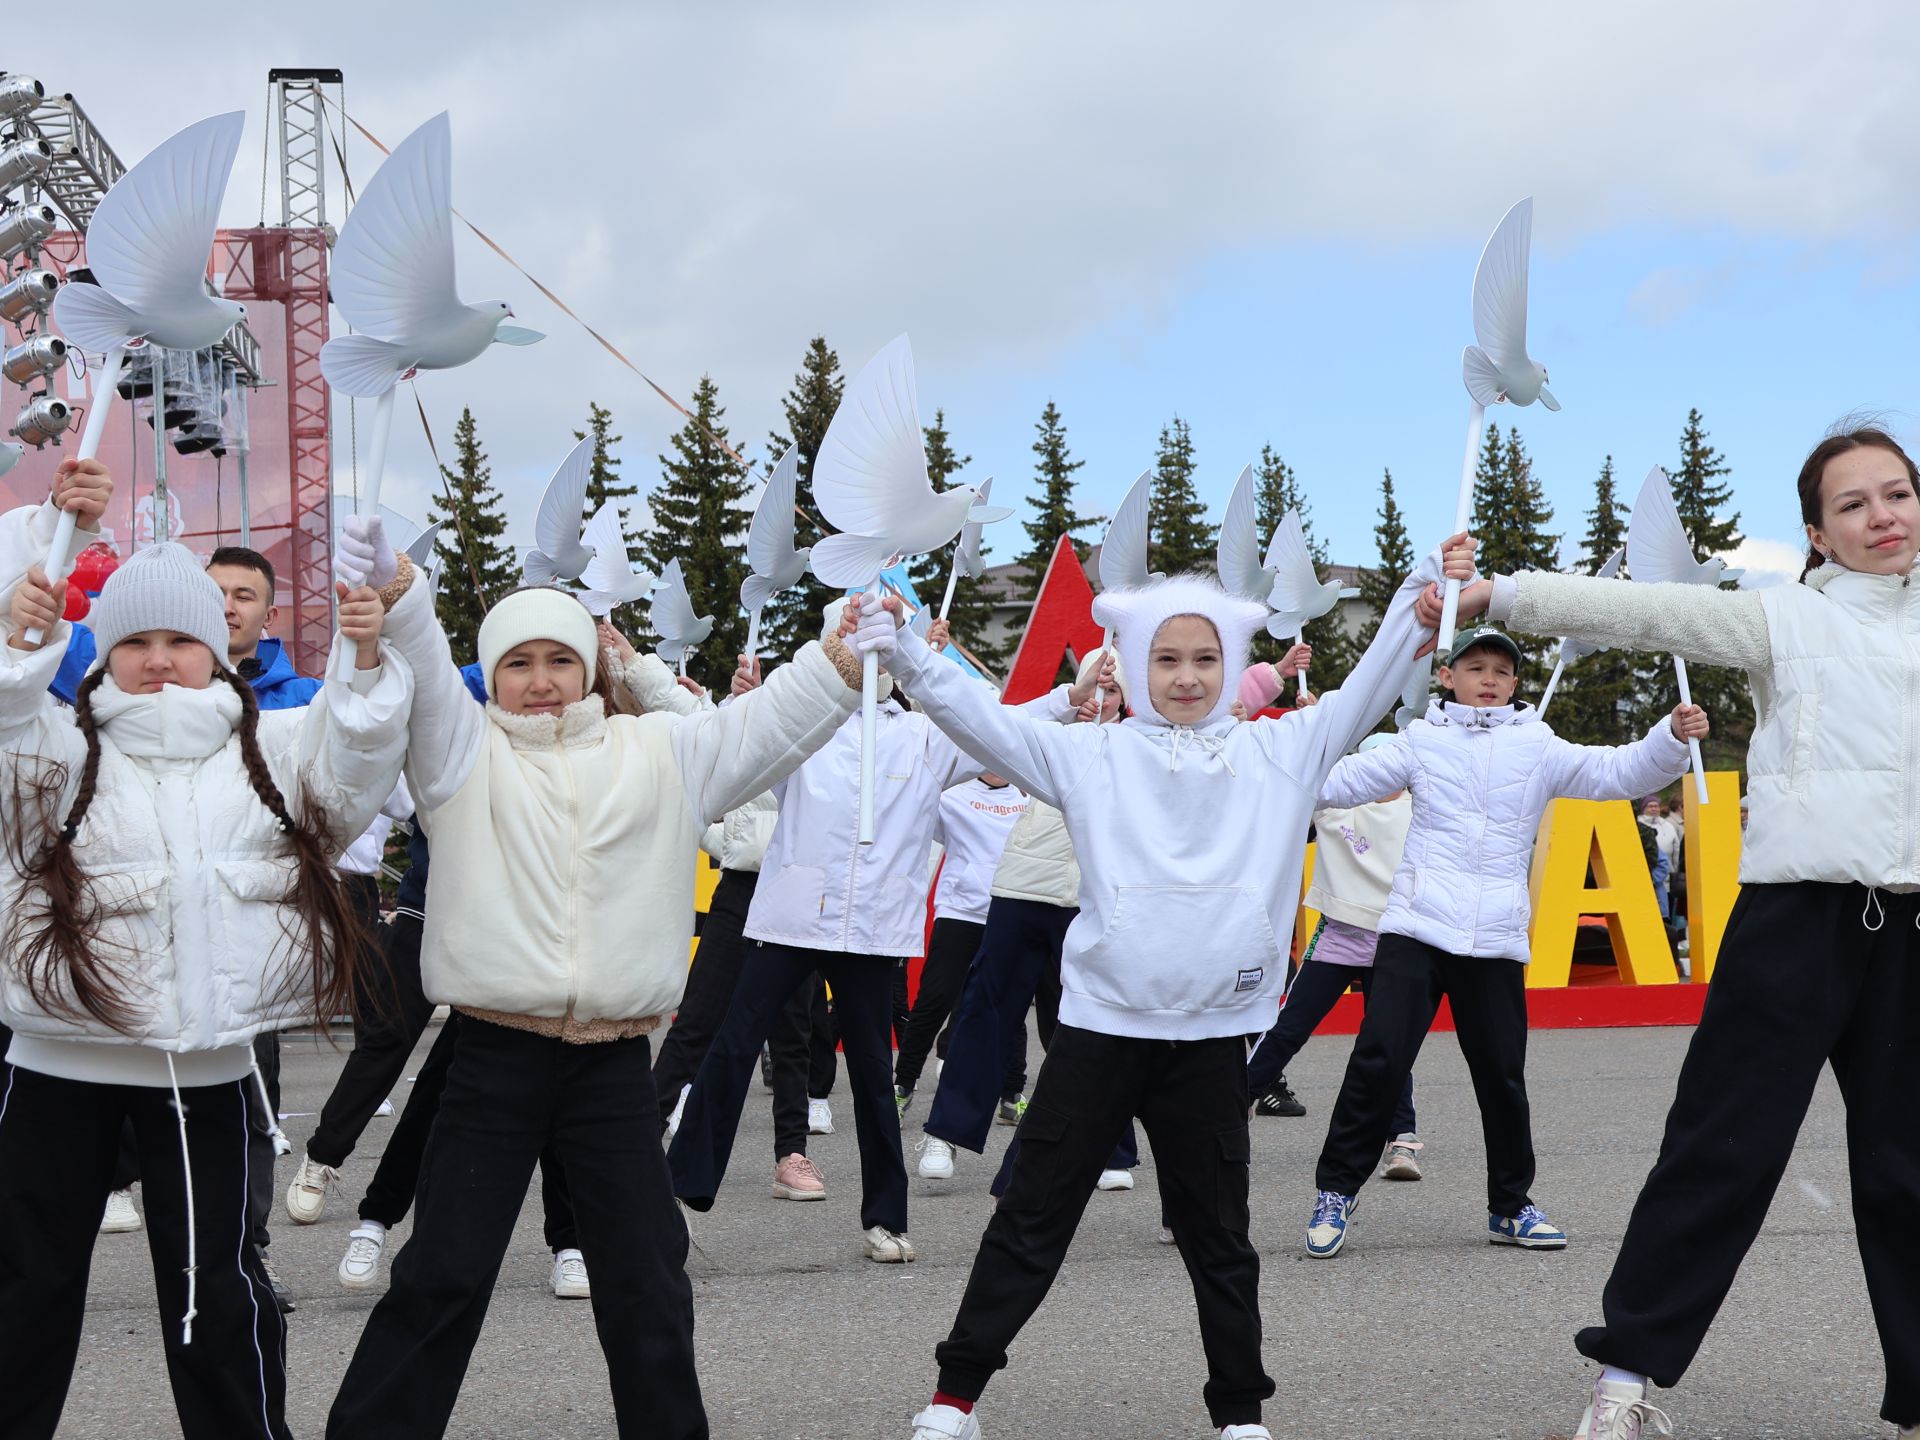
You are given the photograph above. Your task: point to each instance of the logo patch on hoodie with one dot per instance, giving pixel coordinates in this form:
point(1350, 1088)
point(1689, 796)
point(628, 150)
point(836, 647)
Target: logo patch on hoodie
point(1250, 979)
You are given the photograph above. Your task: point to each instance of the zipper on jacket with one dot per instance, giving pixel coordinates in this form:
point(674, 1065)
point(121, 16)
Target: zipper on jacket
point(567, 939)
point(1907, 702)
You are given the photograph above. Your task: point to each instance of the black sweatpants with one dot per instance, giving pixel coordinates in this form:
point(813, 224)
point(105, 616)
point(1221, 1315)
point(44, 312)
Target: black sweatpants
point(1489, 1002)
point(861, 986)
point(950, 953)
point(57, 1144)
point(509, 1094)
point(1312, 993)
point(823, 1039)
point(261, 1187)
point(1805, 978)
point(710, 986)
point(1192, 1097)
point(390, 1194)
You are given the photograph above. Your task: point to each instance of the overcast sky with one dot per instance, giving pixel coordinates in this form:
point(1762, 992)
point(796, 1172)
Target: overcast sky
point(1263, 217)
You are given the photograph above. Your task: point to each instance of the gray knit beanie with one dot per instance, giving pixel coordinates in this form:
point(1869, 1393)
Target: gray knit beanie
point(163, 587)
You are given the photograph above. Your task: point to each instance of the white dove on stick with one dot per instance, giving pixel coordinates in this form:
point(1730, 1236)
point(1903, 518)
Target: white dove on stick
point(966, 555)
point(1299, 596)
point(1572, 649)
point(870, 481)
point(147, 246)
point(561, 551)
point(422, 552)
point(773, 562)
point(1238, 556)
point(609, 576)
point(1498, 370)
point(1658, 552)
point(1123, 549)
point(10, 453)
point(392, 276)
point(673, 620)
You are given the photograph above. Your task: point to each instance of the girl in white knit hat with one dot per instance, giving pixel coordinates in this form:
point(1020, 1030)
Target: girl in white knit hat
point(559, 913)
point(171, 893)
point(1189, 827)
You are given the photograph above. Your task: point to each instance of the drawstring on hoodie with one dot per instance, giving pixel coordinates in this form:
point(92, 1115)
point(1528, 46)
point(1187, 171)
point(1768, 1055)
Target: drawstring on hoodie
point(1876, 909)
point(193, 1247)
point(281, 1145)
point(1206, 744)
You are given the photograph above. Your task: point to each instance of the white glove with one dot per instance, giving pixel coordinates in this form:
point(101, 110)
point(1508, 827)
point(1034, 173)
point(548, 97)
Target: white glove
point(365, 556)
point(875, 632)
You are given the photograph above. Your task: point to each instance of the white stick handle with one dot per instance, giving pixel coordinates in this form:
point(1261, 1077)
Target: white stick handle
point(1300, 638)
point(1693, 746)
point(60, 552)
point(683, 664)
point(1546, 698)
point(953, 578)
point(1462, 513)
point(1106, 654)
point(753, 638)
point(377, 452)
point(869, 723)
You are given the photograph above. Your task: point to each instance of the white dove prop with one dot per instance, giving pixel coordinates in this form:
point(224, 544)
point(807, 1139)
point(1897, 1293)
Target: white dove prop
point(1498, 370)
point(671, 614)
point(562, 552)
point(609, 577)
point(870, 481)
point(1572, 649)
point(1238, 556)
point(1123, 549)
point(1658, 552)
point(147, 246)
point(392, 277)
point(1299, 595)
point(773, 562)
point(10, 454)
point(966, 555)
point(425, 557)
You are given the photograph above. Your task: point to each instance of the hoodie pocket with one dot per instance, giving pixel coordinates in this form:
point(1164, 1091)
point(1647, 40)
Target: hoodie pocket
point(1181, 948)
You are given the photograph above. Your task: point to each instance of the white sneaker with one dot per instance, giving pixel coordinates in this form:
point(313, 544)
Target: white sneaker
point(569, 1279)
point(360, 1266)
point(1245, 1432)
point(1621, 1411)
point(1115, 1180)
point(120, 1217)
point(943, 1422)
point(307, 1196)
point(1165, 1237)
point(936, 1159)
point(679, 1109)
point(384, 1110)
point(887, 1248)
point(819, 1117)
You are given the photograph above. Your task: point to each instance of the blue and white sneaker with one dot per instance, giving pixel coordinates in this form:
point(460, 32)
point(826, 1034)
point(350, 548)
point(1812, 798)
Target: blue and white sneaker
point(1327, 1230)
point(1530, 1230)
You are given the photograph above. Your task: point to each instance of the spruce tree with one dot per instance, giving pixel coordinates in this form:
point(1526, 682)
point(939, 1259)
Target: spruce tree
point(1510, 516)
point(1179, 537)
point(1701, 496)
point(1395, 554)
point(477, 566)
point(700, 515)
point(1276, 490)
point(1054, 513)
point(604, 482)
point(793, 617)
point(1598, 699)
point(971, 616)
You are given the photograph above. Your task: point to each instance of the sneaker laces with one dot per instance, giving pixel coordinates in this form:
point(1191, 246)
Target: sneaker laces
point(364, 1246)
point(1328, 1206)
point(572, 1268)
point(1615, 1415)
point(1530, 1215)
point(314, 1176)
point(804, 1164)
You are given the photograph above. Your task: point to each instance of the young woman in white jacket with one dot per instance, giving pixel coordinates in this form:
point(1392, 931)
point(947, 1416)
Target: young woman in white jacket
point(170, 893)
point(1190, 828)
point(559, 913)
point(1820, 963)
point(1482, 770)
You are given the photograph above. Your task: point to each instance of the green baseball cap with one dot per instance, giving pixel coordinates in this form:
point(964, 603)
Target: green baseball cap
point(1487, 635)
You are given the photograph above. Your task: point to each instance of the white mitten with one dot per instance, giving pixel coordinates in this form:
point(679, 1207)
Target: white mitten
point(875, 633)
point(365, 556)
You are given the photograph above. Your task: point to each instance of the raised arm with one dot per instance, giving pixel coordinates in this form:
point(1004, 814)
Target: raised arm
point(1695, 622)
point(1620, 772)
point(447, 731)
point(955, 765)
point(1363, 779)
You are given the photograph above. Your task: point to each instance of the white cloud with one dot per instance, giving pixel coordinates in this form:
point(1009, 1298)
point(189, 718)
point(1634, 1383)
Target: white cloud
point(1767, 562)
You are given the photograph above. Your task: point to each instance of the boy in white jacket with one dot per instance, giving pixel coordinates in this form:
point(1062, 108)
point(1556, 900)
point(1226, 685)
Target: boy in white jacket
point(1173, 959)
point(1482, 771)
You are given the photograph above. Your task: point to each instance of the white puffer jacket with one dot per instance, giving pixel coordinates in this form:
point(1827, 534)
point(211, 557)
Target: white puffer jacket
point(1039, 863)
point(1834, 768)
point(1481, 780)
point(187, 865)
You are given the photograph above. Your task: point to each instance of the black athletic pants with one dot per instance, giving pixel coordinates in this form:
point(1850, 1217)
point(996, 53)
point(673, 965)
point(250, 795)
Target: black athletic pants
point(823, 1038)
point(1310, 996)
point(1488, 998)
point(509, 1095)
point(1808, 975)
point(949, 955)
point(57, 1144)
point(1192, 1097)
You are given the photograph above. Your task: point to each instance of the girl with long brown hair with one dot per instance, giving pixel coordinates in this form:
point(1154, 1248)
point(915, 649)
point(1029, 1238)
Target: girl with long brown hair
point(171, 893)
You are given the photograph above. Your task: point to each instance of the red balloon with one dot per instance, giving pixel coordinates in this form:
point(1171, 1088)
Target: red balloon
point(92, 566)
point(77, 604)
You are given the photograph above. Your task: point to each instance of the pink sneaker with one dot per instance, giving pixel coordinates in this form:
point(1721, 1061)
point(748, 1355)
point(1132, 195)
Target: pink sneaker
point(798, 1178)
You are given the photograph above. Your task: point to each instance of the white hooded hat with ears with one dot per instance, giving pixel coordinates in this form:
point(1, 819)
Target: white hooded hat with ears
point(1136, 614)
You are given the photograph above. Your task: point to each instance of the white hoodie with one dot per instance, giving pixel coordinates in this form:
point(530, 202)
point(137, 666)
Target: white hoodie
point(1190, 838)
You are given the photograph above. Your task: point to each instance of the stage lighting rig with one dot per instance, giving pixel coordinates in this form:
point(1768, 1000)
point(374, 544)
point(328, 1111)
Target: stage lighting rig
point(45, 419)
point(29, 294)
point(19, 94)
point(24, 160)
point(26, 363)
point(23, 228)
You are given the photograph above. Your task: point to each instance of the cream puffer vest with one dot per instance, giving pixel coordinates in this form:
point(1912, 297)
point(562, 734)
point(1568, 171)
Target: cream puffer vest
point(1039, 863)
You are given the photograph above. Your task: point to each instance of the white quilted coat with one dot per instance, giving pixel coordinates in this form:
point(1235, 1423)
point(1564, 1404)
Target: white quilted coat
point(1481, 780)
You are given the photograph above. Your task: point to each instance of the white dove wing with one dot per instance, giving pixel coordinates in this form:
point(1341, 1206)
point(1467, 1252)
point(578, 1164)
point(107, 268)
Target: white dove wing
point(1296, 584)
point(870, 475)
point(672, 610)
point(1500, 289)
point(391, 272)
point(150, 237)
point(1123, 552)
point(969, 558)
point(1239, 552)
point(420, 551)
point(1657, 546)
point(556, 526)
point(609, 569)
point(770, 534)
